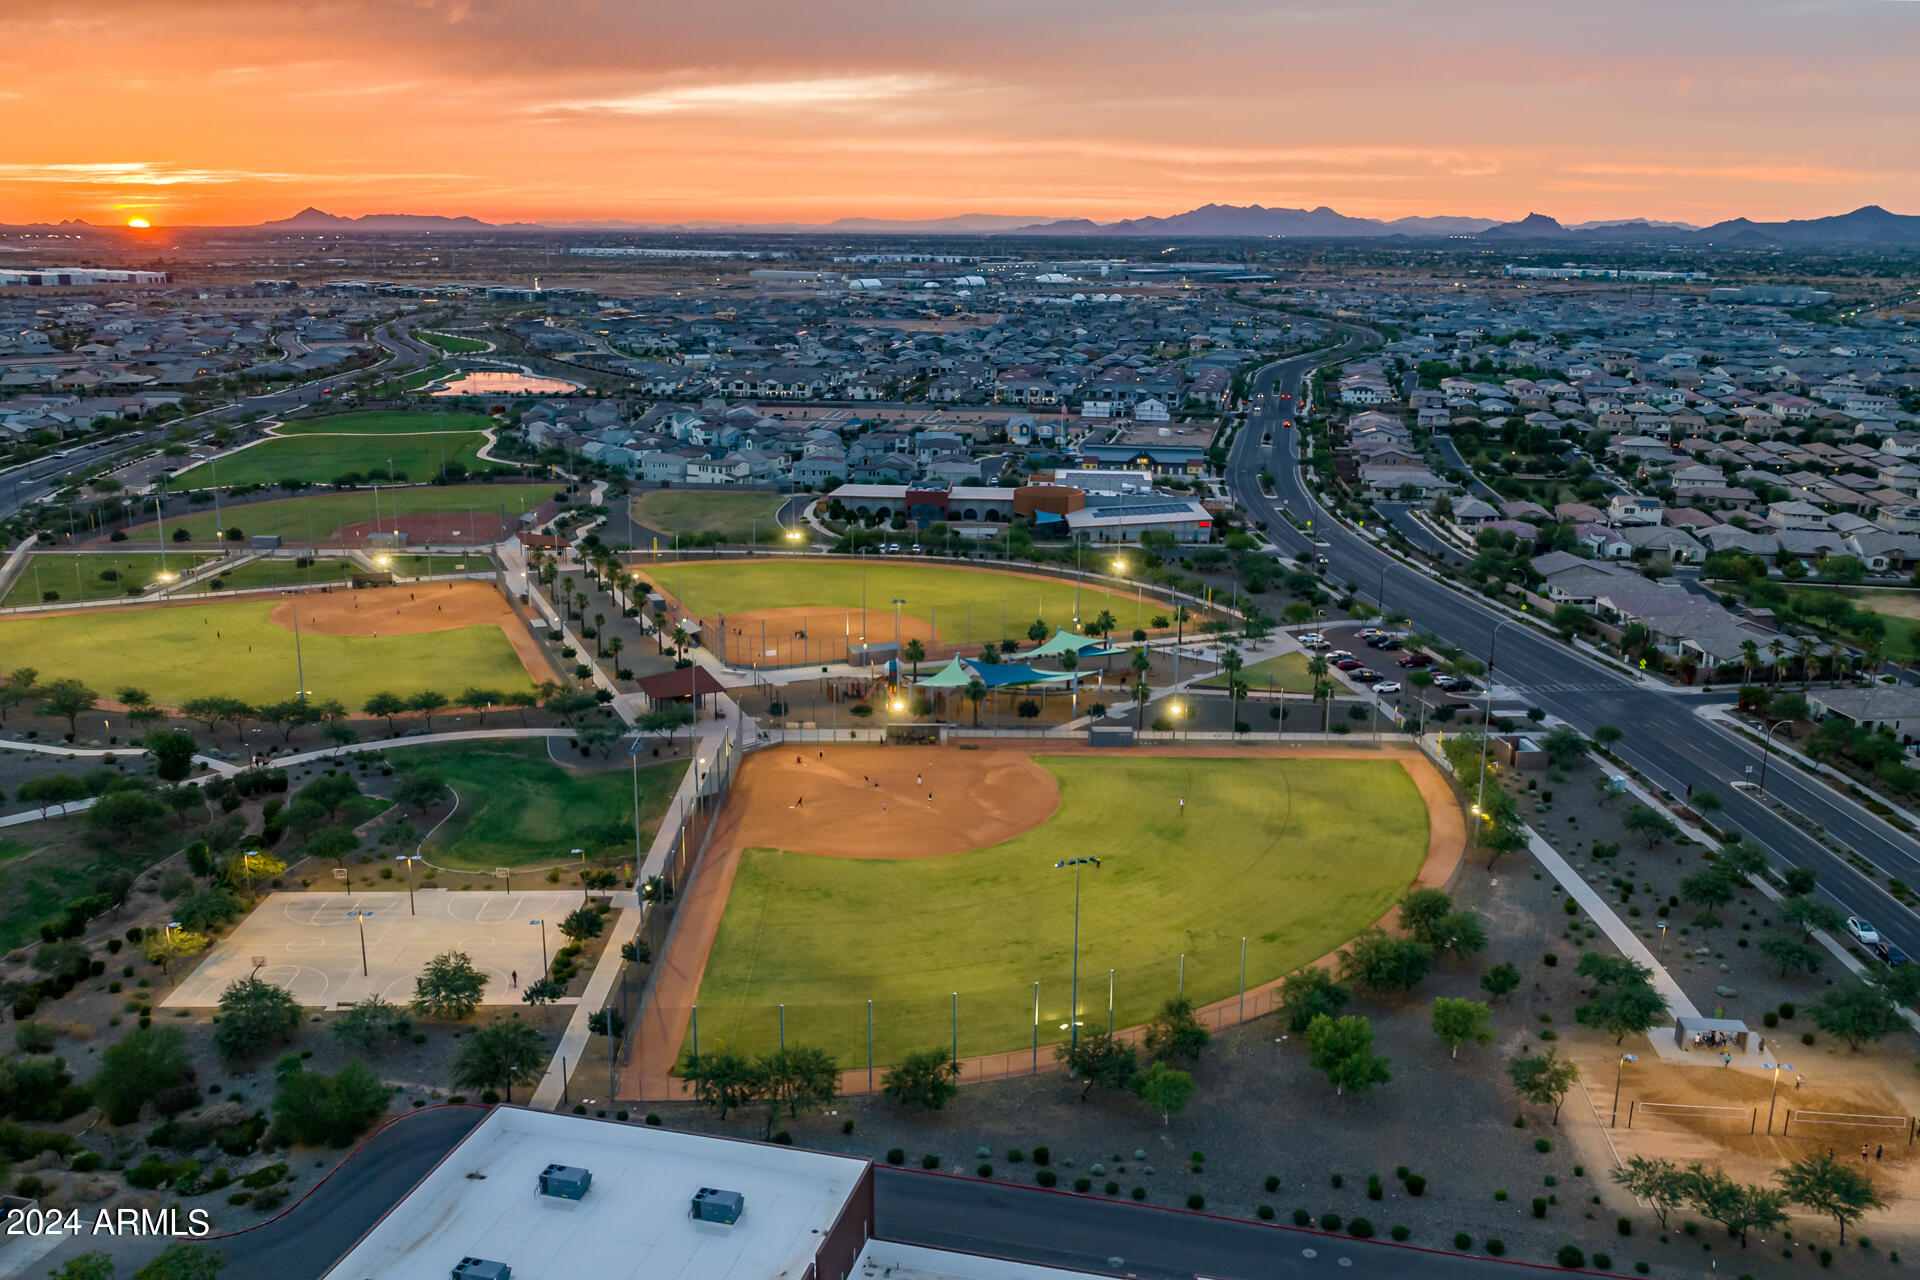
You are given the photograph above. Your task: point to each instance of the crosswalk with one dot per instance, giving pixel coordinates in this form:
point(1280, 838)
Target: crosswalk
point(1610, 686)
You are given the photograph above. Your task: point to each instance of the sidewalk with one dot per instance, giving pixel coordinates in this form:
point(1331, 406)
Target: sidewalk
point(552, 1088)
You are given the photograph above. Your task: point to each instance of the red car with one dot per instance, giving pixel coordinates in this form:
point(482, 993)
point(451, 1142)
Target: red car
point(1349, 664)
point(1417, 660)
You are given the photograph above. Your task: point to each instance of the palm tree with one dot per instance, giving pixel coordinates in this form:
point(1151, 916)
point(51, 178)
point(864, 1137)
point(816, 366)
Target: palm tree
point(1317, 667)
point(976, 694)
point(1141, 662)
point(916, 653)
point(1749, 659)
point(1236, 690)
point(614, 645)
point(1180, 616)
point(1871, 656)
point(599, 630)
point(1069, 662)
point(1807, 650)
point(1777, 649)
point(1141, 692)
point(679, 641)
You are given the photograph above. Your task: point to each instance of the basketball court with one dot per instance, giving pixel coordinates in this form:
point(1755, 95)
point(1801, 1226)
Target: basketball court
point(310, 944)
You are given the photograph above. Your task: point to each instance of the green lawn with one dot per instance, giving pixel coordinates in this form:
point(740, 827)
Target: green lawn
point(259, 574)
point(376, 422)
point(233, 648)
point(322, 459)
point(77, 575)
point(735, 516)
point(316, 518)
point(1286, 672)
point(518, 808)
point(453, 344)
point(1269, 850)
point(966, 606)
point(45, 865)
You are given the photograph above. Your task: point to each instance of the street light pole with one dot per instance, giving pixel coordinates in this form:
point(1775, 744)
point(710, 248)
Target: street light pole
point(1619, 1071)
point(409, 859)
point(166, 947)
point(360, 917)
point(1073, 1016)
point(1486, 721)
point(1766, 753)
point(545, 964)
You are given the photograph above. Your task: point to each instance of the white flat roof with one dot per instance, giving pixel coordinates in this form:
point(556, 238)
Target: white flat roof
point(632, 1223)
point(885, 1260)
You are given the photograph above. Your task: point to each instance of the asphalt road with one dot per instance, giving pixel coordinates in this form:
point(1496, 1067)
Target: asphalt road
point(1664, 738)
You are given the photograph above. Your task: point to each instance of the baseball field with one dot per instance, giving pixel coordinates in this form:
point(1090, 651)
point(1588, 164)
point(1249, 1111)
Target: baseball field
point(353, 644)
point(322, 458)
point(812, 608)
point(735, 516)
point(318, 517)
point(87, 576)
point(832, 891)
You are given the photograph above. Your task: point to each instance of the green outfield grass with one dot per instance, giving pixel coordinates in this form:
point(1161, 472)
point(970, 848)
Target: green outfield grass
point(966, 606)
point(376, 422)
point(518, 808)
point(76, 576)
point(261, 574)
point(1285, 672)
point(453, 344)
point(1277, 852)
point(734, 516)
point(321, 459)
point(317, 517)
point(233, 648)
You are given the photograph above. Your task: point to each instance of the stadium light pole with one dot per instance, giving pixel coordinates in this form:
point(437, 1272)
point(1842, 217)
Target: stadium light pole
point(1073, 1014)
point(545, 964)
point(1778, 1067)
point(582, 855)
point(299, 661)
point(409, 859)
point(897, 602)
point(360, 916)
point(1619, 1071)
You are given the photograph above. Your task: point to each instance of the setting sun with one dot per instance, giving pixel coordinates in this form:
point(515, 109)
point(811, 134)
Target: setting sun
point(137, 222)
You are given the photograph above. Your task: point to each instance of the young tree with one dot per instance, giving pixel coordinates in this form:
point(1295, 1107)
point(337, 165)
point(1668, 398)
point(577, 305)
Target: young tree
point(69, 698)
point(1858, 1013)
point(420, 788)
point(427, 701)
point(924, 1079)
point(51, 789)
point(1163, 1089)
point(172, 753)
point(499, 1055)
point(799, 1079)
point(1343, 1048)
point(1421, 912)
point(1307, 994)
point(1661, 1183)
point(136, 1067)
point(1606, 735)
point(1382, 962)
point(1543, 1078)
point(388, 706)
point(253, 1015)
point(1831, 1188)
point(1707, 888)
point(1648, 824)
point(1791, 953)
point(1810, 914)
point(312, 1108)
point(1736, 1206)
point(1098, 1061)
point(287, 715)
point(370, 1024)
point(448, 987)
point(665, 719)
point(582, 923)
point(1458, 1021)
point(542, 991)
point(1175, 1035)
point(1621, 1009)
point(1501, 980)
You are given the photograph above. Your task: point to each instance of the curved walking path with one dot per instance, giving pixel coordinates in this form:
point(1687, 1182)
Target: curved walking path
point(676, 984)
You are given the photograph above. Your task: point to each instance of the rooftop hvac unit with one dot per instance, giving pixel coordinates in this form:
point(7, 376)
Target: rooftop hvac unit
point(710, 1204)
point(481, 1269)
point(565, 1181)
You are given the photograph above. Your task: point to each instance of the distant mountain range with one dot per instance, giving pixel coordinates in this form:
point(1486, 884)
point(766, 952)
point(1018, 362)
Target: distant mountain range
point(1870, 227)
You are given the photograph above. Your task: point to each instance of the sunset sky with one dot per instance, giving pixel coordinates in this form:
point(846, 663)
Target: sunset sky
point(235, 111)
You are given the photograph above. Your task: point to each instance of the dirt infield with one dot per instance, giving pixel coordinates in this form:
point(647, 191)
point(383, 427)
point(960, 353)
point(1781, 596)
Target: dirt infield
point(982, 797)
point(421, 610)
point(456, 528)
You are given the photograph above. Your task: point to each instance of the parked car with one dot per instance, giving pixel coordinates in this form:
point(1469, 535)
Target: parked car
point(1389, 644)
point(1418, 660)
point(1863, 931)
point(1339, 654)
point(1387, 686)
point(1893, 955)
point(1310, 638)
point(1349, 664)
point(1364, 676)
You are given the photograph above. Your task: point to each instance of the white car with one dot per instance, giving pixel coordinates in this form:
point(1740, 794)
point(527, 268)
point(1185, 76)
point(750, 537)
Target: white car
point(1387, 686)
point(1863, 931)
point(1309, 637)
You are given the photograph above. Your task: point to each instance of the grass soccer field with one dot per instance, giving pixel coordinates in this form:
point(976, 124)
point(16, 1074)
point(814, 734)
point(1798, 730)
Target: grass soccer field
point(376, 422)
point(453, 344)
point(1275, 851)
point(1285, 672)
point(734, 516)
point(959, 606)
point(78, 576)
point(237, 649)
point(321, 459)
point(518, 808)
point(317, 518)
